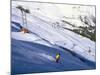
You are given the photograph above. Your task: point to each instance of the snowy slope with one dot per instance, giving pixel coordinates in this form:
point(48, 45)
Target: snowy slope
point(25, 51)
point(30, 57)
point(44, 41)
point(59, 37)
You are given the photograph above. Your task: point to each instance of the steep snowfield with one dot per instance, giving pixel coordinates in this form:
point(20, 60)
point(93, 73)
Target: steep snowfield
point(60, 37)
point(39, 47)
point(30, 57)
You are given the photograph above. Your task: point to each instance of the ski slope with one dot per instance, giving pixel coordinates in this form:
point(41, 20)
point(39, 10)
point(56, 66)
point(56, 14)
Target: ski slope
point(38, 48)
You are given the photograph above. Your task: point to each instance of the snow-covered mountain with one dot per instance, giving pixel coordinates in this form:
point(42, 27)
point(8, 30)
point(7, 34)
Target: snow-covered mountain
point(48, 34)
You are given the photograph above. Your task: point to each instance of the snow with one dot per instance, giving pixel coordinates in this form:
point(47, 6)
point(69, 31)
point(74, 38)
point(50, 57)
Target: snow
point(28, 57)
point(28, 37)
point(23, 36)
point(43, 33)
point(47, 56)
point(60, 37)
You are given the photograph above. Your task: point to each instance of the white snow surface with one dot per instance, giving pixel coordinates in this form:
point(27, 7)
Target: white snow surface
point(40, 25)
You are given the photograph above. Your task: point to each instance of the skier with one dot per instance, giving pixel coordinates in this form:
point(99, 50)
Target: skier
point(57, 57)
